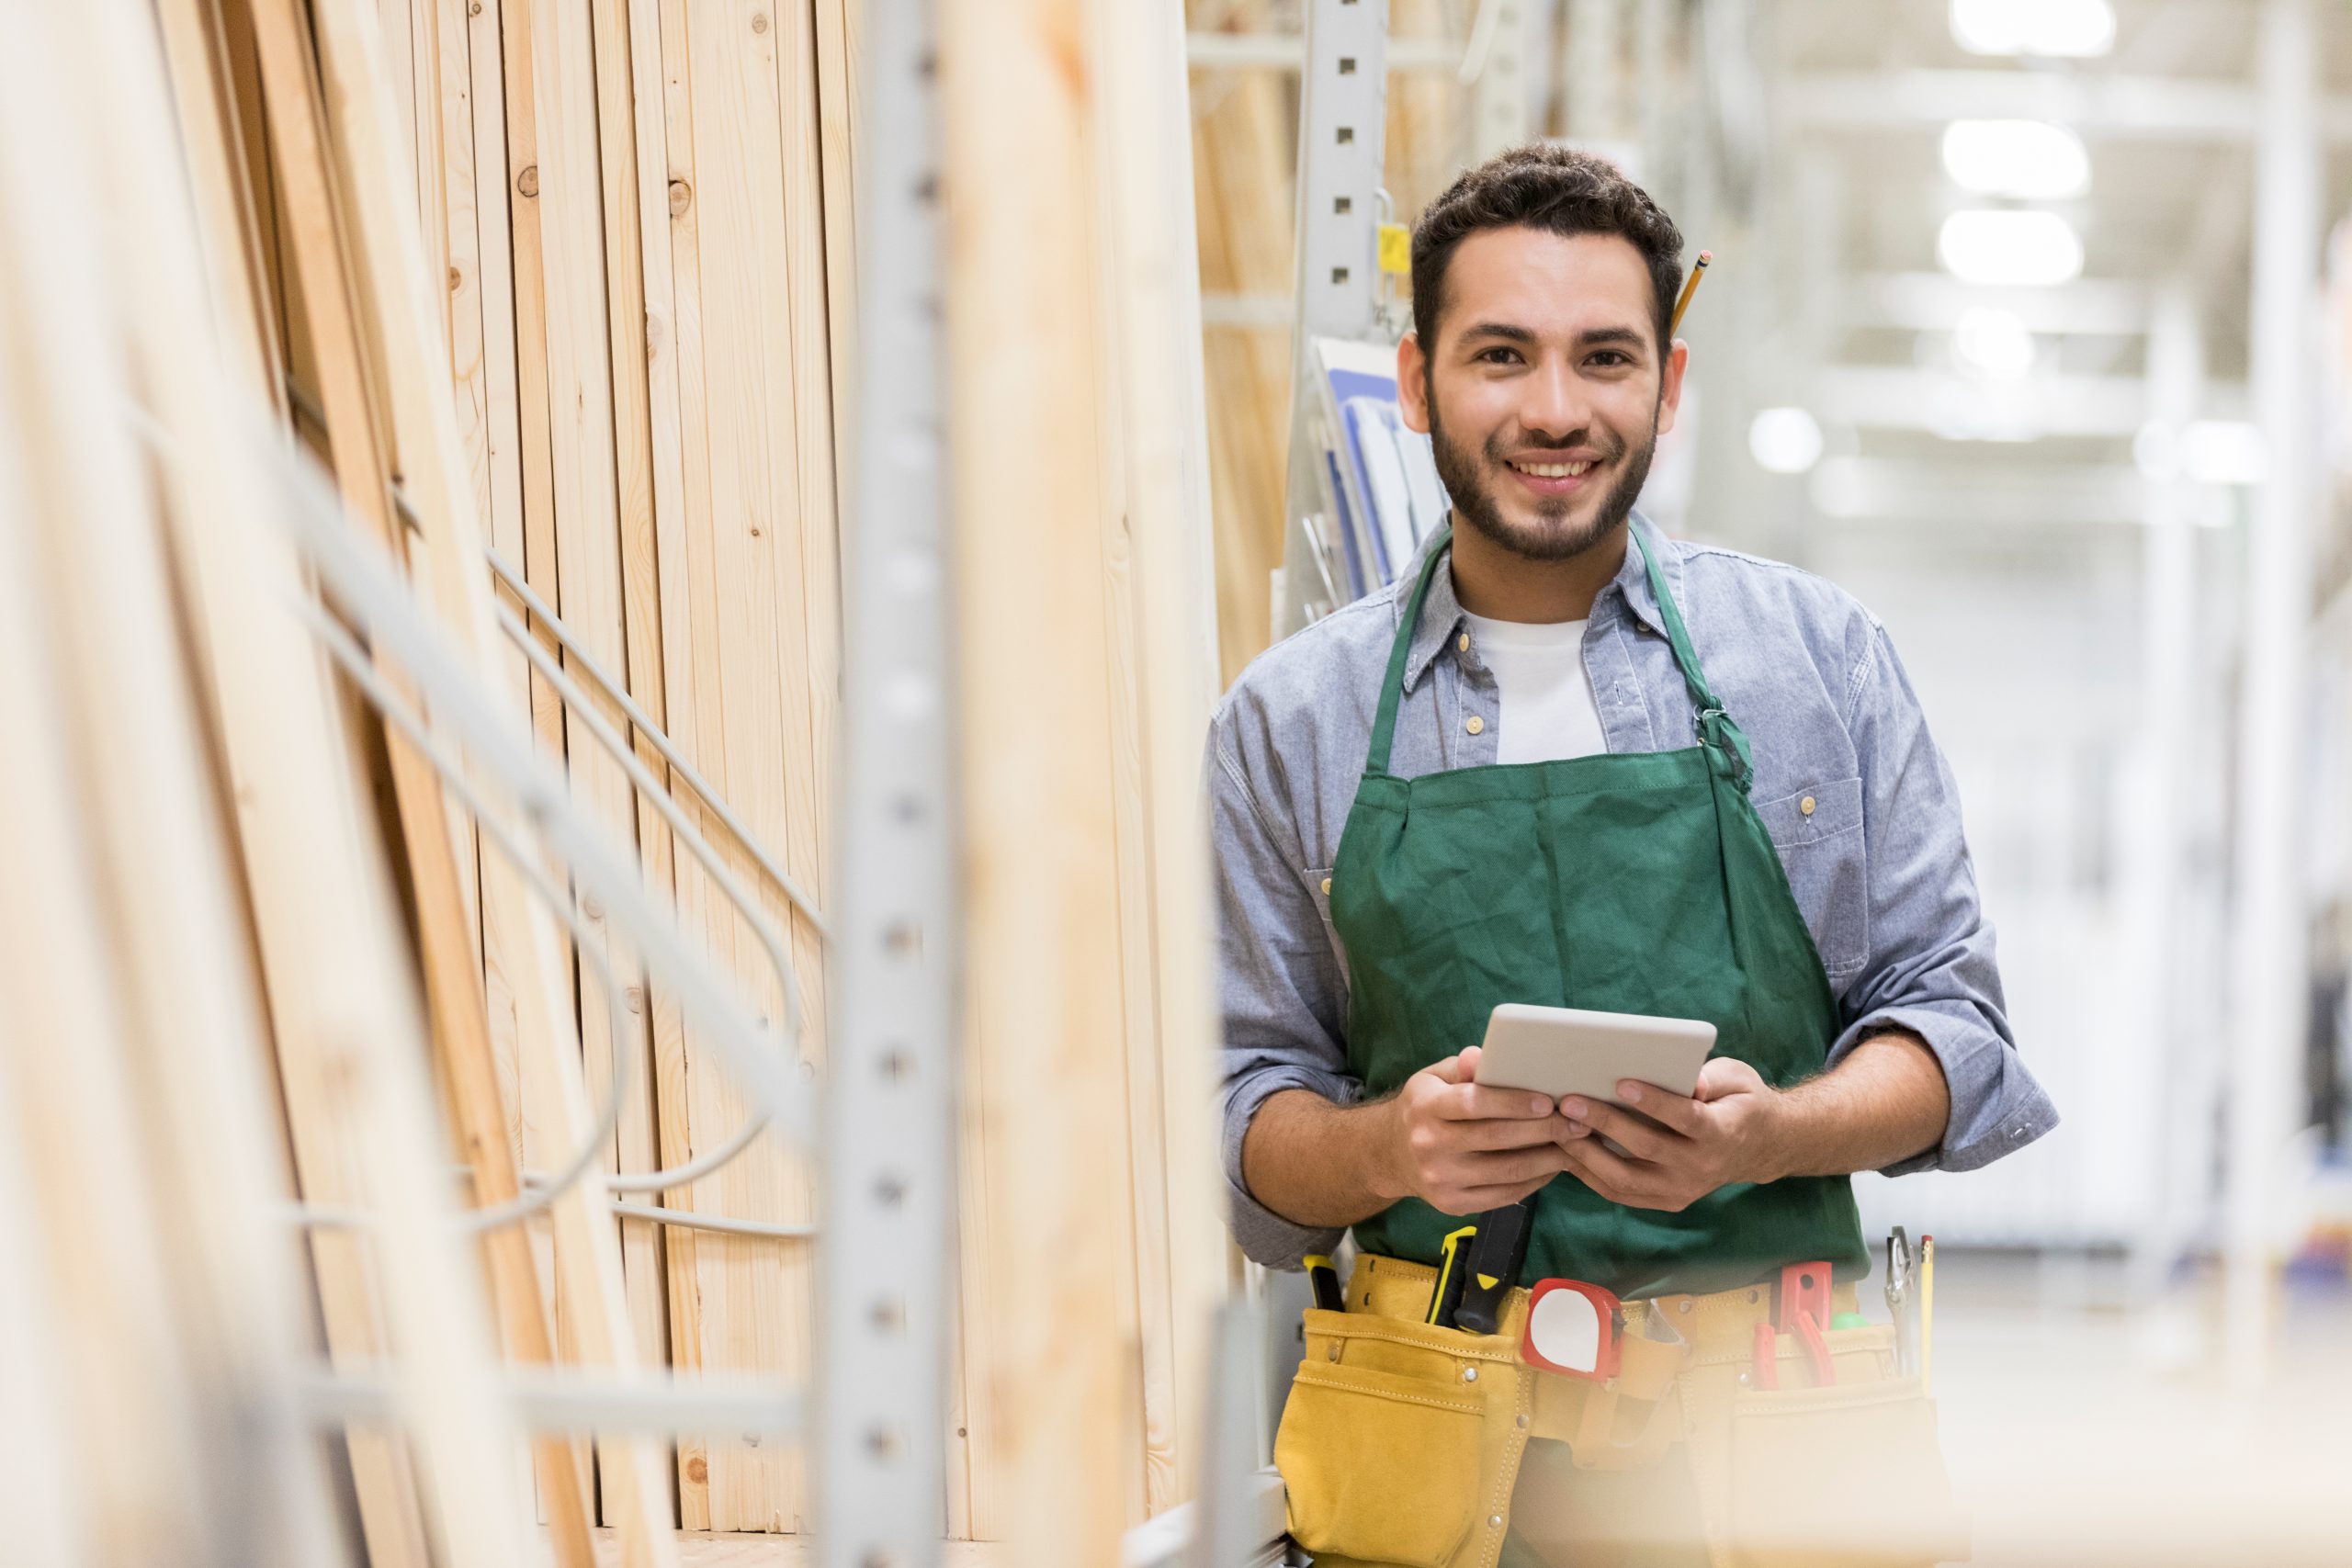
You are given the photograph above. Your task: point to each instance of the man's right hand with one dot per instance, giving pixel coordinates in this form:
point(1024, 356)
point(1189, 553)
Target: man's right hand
point(1464, 1147)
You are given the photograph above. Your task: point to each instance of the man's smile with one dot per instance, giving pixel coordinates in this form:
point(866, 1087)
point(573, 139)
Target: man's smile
point(1552, 476)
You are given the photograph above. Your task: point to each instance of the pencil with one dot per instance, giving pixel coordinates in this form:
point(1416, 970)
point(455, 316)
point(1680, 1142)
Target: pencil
point(1689, 286)
point(1927, 1315)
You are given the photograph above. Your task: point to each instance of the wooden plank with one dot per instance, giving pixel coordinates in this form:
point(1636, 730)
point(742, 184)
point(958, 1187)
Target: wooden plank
point(390, 1515)
point(754, 1294)
point(1153, 306)
point(528, 540)
point(128, 690)
point(447, 941)
point(640, 610)
point(689, 669)
point(839, 69)
point(809, 555)
point(197, 52)
point(587, 1250)
point(581, 444)
point(1243, 154)
point(502, 454)
point(1043, 903)
point(462, 234)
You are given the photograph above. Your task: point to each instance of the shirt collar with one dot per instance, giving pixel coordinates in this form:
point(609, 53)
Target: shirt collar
point(1442, 613)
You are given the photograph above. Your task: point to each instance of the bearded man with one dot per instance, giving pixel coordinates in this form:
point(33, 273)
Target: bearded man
point(1567, 760)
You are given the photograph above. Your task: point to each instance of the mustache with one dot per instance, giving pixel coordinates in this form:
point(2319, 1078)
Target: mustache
point(1609, 444)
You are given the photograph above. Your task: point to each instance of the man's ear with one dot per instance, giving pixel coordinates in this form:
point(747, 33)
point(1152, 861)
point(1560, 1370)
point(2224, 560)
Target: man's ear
point(1412, 385)
point(1669, 389)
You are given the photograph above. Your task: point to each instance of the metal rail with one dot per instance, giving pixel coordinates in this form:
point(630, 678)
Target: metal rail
point(879, 1439)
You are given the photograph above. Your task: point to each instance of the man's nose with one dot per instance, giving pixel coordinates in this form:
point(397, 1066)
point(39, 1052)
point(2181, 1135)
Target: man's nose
point(1555, 406)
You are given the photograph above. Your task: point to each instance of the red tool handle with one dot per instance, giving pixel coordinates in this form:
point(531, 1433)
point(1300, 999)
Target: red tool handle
point(1766, 1372)
point(1816, 1351)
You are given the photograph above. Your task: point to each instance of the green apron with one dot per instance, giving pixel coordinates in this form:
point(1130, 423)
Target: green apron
point(1639, 883)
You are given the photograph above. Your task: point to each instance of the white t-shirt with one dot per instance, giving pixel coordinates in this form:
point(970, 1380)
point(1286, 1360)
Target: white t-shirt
point(1548, 709)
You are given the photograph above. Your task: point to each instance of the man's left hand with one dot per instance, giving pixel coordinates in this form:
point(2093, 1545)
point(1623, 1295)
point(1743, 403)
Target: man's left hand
point(1677, 1150)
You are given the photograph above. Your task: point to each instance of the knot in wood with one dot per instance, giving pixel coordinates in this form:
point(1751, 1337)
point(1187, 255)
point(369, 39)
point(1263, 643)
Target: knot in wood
point(681, 194)
point(528, 182)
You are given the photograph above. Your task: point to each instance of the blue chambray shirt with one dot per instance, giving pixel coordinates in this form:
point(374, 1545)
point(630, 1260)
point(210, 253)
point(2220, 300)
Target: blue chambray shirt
point(1879, 864)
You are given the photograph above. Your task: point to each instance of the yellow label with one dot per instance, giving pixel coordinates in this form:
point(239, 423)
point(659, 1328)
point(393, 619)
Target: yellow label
point(1396, 249)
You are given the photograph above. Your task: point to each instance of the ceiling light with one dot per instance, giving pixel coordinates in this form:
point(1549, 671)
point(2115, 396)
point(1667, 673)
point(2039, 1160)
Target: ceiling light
point(1992, 342)
point(2005, 247)
point(2207, 451)
point(1784, 441)
point(2073, 28)
point(2223, 452)
point(2028, 158)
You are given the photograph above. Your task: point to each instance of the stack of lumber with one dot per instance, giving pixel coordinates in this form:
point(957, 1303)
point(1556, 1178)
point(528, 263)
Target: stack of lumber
point(1245, 152)
point(571, 282)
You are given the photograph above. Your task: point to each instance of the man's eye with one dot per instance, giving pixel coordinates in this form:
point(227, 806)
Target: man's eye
point(1609, 359)
point(1497, 355)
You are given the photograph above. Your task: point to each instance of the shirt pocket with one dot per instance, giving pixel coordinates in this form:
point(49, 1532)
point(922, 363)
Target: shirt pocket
point(1817, 833)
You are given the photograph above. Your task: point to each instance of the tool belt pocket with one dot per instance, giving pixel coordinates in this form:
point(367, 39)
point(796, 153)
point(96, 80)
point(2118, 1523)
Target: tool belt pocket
point(1848, 1475)
point(1386, 1445)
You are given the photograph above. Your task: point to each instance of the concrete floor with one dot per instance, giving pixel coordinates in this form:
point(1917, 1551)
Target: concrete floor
point(2083, 1429)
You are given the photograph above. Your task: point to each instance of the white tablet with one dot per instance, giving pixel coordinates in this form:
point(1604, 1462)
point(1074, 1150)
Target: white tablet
point(1563, 1050)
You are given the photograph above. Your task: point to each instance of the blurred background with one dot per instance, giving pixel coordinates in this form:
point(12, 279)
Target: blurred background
point(2026, 324)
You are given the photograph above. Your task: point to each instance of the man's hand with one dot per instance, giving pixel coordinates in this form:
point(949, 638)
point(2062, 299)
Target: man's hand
point(1463, 1147)
point(1885, 1101)
point(1678, 1150)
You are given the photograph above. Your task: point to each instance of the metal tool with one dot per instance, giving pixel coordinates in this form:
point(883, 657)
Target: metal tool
point(1446, 1296)
point(1326, 1281)
point(1898, 1300)
point(1496, 1256)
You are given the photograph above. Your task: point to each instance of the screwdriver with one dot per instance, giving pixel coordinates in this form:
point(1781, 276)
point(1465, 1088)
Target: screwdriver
point(1496, 1258)
point(1445, 1297)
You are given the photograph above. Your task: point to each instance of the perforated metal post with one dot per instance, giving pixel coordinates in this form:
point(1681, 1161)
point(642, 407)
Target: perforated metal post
point(1343, 116)
point(881, 1356)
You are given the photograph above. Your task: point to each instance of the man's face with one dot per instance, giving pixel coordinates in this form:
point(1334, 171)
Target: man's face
point(1546, 392)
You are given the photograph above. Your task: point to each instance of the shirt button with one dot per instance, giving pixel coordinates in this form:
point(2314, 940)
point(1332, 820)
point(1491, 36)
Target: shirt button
point(1462, 643)
point(1805, 805)
point(1475, 725)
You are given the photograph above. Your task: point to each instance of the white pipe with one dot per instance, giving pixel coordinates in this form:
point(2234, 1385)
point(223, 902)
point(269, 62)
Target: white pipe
point(2271, 953)
point(2157, 824)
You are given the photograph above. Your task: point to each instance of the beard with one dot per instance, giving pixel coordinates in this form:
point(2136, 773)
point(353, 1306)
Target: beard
point(1553, 535)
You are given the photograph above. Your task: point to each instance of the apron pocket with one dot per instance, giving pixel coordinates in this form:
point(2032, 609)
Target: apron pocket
point(1382, 1463)
point(1847, 1477)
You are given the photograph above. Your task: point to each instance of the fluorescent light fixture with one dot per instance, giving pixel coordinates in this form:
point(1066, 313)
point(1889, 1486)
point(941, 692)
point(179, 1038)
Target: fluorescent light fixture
point(2027, 158)
point(1992, 342)
point(2224, 452)
point(1784, 441)
point(2007, 247)
point(2205, 451)
point(2069, 28)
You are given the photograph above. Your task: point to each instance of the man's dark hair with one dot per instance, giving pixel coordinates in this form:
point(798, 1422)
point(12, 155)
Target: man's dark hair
point(1557, 190)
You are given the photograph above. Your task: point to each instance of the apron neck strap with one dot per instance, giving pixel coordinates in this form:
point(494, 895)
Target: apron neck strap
point(1716, 730)
point(1392, 688)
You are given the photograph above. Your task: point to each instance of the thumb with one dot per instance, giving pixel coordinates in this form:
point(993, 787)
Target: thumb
point(1456, 1068)
point(1724, 1075)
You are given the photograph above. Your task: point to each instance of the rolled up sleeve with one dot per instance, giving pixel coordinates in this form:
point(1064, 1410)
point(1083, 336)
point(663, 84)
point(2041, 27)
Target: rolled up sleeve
point(1931, 968)
point(1281, 989)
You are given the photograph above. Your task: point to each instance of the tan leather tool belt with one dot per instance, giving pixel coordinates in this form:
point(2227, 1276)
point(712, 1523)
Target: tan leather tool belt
point(1401, 1441)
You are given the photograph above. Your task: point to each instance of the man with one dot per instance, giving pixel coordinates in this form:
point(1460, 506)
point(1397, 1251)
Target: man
point(1566, 760)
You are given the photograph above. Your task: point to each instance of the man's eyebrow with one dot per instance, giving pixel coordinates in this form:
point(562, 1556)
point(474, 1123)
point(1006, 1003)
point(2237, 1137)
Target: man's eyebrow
point(1603, 336)
point(1597, 337)
point(1506, 331)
